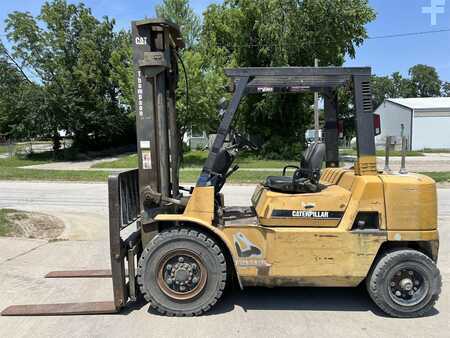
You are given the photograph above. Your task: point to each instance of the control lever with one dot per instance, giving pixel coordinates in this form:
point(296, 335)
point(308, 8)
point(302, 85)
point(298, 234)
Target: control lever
point(230, 172)
point(189, 190)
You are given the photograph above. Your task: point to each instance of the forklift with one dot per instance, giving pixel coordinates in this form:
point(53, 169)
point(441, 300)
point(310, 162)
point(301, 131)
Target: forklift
point(179, 248)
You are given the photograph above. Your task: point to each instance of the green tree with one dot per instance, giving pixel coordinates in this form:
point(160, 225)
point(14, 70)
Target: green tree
point(424, 81)
point(445, 91)
point(384, 87)
point(70, 52)
point(401, 87)
point(179, 12)
point(205, 90)
point(282, 33)
point(19, 99)
point(205, 84)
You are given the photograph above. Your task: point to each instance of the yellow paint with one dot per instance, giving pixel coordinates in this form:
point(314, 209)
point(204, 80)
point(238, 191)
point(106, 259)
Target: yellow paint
point(333, 198)
point(331, 175)
point(295, 251)
point(411, 202)
point(367, 195)
point(431, 235)
point(366, 165)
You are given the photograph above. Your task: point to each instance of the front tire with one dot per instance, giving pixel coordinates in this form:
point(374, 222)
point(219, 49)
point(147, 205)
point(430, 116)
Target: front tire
point(404, 283)
point(182, 272)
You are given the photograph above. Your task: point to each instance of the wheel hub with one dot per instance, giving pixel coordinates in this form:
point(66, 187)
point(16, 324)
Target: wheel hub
point(182, 275)
point(406, 284)
point(407, 287)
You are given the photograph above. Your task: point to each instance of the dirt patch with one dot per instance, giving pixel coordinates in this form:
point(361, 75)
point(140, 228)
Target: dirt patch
point(15, 223)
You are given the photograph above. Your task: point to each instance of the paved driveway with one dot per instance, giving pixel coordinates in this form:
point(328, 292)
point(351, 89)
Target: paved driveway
point(254, 312)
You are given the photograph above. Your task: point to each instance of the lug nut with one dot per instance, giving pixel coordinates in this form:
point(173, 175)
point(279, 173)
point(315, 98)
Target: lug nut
point(194, 280)
point(169, 267)
point(398, 293)
point(169, 281)
point(180, 259)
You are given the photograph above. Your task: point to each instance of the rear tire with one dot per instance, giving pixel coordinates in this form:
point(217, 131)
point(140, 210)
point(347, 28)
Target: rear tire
point(404, 283)
point(182, 272)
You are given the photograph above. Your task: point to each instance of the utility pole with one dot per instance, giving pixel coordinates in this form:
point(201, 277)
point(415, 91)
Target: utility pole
point(316, 109)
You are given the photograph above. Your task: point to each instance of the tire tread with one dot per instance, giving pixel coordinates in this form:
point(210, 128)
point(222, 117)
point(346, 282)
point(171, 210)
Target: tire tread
point(188, 233)
point(379, 268)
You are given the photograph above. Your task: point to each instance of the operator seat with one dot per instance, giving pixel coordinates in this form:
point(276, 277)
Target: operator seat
point(306, 178)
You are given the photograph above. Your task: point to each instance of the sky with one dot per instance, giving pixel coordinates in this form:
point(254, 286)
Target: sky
point(385, 56)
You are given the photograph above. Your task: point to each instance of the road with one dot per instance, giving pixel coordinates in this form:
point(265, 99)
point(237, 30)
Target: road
point(278, 312)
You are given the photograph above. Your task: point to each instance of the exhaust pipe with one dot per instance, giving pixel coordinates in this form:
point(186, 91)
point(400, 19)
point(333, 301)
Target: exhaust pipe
point(403, 164)
point(386, 154)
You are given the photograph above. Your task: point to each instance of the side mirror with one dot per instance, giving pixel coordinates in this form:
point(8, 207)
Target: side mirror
point(376, 124)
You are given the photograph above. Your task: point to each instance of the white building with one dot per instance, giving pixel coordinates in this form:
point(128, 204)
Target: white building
point(426, 122)
point(195, 139)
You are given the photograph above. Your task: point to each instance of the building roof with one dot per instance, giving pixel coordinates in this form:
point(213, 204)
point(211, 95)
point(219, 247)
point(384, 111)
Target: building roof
point(424, 103)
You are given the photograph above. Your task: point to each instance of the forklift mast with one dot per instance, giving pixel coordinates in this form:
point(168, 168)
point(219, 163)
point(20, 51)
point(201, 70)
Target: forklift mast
point(155, 46)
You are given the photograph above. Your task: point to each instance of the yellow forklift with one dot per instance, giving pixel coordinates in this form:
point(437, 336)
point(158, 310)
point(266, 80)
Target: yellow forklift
point(321, 227)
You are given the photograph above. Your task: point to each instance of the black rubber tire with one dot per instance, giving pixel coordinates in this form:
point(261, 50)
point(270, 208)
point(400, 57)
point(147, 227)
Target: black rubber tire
point(188, 239)
point(378, 284)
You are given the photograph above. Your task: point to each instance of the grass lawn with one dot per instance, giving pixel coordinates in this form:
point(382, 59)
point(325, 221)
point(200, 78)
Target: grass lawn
point(238, 177)
point(445, 151)
point(439, 176)
point(4, 149)
point(9, 169)
point(20, 174)
point(126, 161)
point(352, 152)
point(196, 159)
point(5, 224)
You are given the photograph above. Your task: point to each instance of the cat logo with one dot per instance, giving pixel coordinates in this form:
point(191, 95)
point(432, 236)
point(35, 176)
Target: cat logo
point(140, 40)
point(244, 247)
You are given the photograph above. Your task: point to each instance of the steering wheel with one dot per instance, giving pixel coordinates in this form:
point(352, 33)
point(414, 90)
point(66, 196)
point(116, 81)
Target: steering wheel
point(241, 142)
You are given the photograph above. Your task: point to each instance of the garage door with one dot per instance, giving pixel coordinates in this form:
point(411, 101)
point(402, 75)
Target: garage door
point(431, 132)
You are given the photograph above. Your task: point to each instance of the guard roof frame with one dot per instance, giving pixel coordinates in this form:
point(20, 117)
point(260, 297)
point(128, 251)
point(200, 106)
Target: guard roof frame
point(320, 79)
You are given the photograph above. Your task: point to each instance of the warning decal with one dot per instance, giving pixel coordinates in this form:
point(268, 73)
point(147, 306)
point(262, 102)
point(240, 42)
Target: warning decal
point(146, 159)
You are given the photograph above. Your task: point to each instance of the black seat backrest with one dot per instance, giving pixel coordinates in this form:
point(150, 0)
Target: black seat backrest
point(313, 156)
point(316, 157)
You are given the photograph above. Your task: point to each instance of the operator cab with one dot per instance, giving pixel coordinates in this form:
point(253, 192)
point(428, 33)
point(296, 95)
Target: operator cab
point(305, 181)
